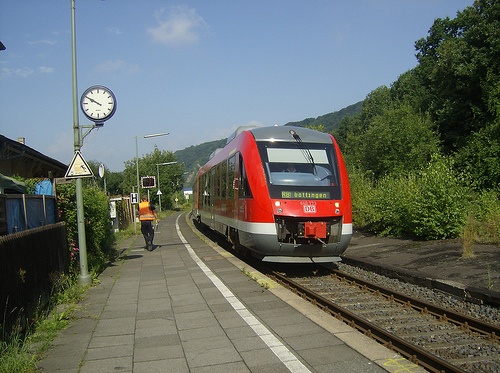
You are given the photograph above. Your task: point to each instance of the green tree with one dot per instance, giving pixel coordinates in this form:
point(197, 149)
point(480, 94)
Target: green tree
point(479, 158)
point(459, 63)
point(114, 183)
point(398, 140)
point(348, 127)
point(352, 127)
point(170, 176)
point(375, 104)
point(409, 89)
point(111, 182)
point(195, 156)
point(317, 127)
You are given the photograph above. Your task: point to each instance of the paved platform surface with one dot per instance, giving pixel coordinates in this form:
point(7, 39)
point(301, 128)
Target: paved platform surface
point(188, 306)
point(436, 264)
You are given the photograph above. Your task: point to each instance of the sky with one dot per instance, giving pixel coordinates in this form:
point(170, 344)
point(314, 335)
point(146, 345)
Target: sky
point(196, 69)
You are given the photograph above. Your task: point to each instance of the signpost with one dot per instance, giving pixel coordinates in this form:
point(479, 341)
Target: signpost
point(78, 167)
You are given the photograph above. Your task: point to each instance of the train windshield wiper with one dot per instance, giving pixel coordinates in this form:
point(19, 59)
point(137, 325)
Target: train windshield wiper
point(305, 151)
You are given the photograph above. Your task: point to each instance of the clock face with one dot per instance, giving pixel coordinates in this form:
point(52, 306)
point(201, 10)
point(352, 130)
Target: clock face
point(98, 103)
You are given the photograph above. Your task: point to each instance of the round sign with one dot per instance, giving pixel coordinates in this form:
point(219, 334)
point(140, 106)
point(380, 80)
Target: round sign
point(101, 171)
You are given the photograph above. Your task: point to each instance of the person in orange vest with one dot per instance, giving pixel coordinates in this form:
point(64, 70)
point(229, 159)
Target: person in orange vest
point(147, 213)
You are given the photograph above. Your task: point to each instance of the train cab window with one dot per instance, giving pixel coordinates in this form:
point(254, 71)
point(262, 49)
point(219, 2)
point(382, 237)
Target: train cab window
point(297, 170)
point(296, 167)
point(244, 187)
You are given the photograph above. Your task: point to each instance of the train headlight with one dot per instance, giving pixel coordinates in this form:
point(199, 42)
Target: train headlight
point(337, 204)
point(277, 203)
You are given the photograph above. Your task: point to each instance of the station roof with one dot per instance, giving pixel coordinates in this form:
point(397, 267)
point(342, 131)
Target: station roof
point(16, 158)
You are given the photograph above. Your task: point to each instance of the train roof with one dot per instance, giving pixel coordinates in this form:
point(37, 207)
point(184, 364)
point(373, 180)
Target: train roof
point(284, 133)
point(239, 130)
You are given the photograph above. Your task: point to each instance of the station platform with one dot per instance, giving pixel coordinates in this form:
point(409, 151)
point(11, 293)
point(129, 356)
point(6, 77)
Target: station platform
point(189, 306)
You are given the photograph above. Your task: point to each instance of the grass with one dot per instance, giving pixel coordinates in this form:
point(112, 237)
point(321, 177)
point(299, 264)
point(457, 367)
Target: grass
point(468, 238)
point(24, 348)
point(256, 278)
point(125, 233)
point(16, 356)
point(489, 282)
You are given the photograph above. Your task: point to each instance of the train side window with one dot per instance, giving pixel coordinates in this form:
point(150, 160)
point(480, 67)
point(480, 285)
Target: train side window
point(217, 182)
point(206, 189)
point(230, 176)
point(244, 187)
point(223, 179)
point(212, 186)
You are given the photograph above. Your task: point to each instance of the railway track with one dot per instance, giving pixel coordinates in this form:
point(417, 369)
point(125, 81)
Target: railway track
point(438, 339)
point(435, 338)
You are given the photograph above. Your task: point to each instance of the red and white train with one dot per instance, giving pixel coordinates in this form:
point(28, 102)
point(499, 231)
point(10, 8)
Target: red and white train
point(281, 192)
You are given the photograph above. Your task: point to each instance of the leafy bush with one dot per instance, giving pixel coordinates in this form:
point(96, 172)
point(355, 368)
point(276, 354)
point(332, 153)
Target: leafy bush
point(430, 204)
point(98, 231)
point(363, 195)
point(99, 234)
point(395, 202)
point(439, 207)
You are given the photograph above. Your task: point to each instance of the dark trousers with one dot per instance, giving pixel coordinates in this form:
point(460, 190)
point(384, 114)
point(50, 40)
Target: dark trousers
point(148, 231)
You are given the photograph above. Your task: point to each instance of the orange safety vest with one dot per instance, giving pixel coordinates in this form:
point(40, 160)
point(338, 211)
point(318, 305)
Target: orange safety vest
point(145, 212)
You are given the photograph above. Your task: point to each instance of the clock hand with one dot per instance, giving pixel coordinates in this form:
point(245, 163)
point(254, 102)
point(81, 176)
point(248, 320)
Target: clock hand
point(94, 101)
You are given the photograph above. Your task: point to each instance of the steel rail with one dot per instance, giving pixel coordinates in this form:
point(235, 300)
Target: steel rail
point(464, 321)
point(413, 353)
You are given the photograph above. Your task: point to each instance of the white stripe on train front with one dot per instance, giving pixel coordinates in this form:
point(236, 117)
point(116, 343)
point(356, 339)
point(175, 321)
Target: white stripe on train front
point(264, 228)
point(347, 228)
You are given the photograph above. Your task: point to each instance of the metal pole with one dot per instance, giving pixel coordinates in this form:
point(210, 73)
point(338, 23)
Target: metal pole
point(84, 277)
point(137, 166)
point(137, 157)
point(137, 169)
point(158, 174)
point(159, 190)
point(137, 180)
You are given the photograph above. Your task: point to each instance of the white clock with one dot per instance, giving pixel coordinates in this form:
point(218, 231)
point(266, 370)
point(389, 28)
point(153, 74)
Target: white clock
point(98, 103)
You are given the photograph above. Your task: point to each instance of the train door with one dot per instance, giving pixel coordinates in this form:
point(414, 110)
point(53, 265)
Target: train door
point(231, 186)
point(244, 192)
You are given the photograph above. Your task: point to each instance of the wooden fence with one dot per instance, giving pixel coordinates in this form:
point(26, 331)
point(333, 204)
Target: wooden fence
point(30, 263)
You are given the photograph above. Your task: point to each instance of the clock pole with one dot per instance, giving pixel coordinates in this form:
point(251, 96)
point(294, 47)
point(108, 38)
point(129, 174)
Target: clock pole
point(84, 277)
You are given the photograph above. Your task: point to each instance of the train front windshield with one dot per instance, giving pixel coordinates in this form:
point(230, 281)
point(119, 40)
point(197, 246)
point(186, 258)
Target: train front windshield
point(300, 170)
